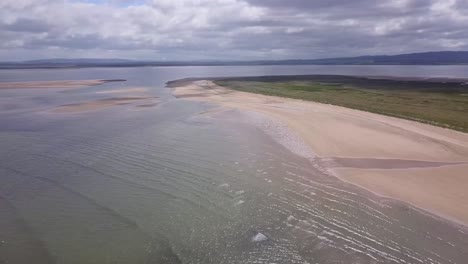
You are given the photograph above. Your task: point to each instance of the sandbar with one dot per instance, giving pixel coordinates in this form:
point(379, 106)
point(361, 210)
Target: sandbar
point(124, 91)
point(65, 84)
point(103, 103)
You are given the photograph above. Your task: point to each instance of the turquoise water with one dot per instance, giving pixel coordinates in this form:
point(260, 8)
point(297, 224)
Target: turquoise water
point(172, 184)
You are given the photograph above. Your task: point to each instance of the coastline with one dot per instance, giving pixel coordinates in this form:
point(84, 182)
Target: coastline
point(383, 154)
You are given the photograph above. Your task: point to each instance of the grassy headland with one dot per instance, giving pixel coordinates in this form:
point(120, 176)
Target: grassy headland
point(441, 102)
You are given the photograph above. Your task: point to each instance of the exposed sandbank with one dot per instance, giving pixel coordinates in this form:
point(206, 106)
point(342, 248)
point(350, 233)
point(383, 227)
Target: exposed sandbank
point(65, 84)
point(137, 95)
point(417, 163)
point(124, 91)
point(104, 103)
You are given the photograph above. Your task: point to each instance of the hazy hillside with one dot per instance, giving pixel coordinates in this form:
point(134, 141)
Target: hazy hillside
point(424, 58)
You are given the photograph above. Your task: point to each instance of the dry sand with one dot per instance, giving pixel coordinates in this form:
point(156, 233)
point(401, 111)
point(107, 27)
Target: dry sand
point(53, 84)
point(420, 164)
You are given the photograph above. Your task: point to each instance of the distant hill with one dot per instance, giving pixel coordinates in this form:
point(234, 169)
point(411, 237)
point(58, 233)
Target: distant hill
point(424, 58)
point(76, 61)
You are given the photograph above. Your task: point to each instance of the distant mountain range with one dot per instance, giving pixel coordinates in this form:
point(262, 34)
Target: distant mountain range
point(77, 61)
point(424, 58)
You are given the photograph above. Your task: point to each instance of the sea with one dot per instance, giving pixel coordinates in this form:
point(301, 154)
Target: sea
point(182, 181)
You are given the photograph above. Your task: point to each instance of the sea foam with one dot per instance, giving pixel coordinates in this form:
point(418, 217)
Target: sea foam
point(282, 134)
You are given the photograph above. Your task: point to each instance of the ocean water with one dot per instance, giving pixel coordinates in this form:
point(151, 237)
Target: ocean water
point(187, 182)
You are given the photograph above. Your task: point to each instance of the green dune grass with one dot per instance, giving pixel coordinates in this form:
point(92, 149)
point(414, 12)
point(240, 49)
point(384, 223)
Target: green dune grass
point(440, 103)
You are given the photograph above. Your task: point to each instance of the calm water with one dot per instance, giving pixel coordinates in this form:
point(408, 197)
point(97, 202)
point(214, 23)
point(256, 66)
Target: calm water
point(169, 184)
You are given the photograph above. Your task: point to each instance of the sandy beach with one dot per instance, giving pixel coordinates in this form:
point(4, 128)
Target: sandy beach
point(420, 164)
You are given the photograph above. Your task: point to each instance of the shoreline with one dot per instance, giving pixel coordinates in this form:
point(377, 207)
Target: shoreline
point(179, 82)
point(369, 139)
point(435, 101)
point(427, 210)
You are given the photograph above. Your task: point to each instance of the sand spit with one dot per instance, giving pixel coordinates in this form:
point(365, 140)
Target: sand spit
point(124, 91)
point(420, 164)
point(104, 103)
point(66, 84)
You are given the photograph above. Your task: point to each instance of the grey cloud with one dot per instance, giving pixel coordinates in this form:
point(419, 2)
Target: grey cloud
point(229, 29)
point(27, 25)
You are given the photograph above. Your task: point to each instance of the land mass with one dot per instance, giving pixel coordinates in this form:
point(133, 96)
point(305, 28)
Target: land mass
point(440, 102)
point(417, 163)
point(422, 58)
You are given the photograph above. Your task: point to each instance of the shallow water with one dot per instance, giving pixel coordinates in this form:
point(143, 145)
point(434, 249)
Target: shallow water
point(183, 182)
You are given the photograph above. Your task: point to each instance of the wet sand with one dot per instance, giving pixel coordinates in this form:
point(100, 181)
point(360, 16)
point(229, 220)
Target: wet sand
point(417, 163)
point(104, 103)
point(65, 84)
point(124, 91)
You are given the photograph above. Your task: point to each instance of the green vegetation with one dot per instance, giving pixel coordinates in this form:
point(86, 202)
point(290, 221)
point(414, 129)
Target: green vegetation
point(438, 102)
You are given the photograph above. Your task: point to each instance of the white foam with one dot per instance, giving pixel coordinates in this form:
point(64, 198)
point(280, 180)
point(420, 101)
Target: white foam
point(259, 237)
point(282, 134)
point(240, 202)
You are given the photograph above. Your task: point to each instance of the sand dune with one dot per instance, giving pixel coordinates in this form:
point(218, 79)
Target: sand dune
point(423, 165)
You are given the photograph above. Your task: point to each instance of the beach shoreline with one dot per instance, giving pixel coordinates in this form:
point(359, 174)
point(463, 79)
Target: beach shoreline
point(415, 163)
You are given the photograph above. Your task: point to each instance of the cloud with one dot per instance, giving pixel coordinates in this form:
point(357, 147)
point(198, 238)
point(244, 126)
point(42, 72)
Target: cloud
point(228, 29)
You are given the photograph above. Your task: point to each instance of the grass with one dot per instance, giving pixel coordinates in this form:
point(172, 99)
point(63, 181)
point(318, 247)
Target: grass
point(440, 103)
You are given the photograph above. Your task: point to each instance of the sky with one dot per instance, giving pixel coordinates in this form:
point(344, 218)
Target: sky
point(228, 29)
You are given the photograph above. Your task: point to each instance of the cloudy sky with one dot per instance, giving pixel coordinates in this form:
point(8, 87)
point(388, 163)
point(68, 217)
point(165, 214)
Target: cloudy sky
point(228, 29)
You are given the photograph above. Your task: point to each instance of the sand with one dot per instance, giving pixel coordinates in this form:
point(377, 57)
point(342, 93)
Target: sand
point(104, 103)
point(124, 91)
point(441, 190)
point(417, 163)
point(65, 84)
